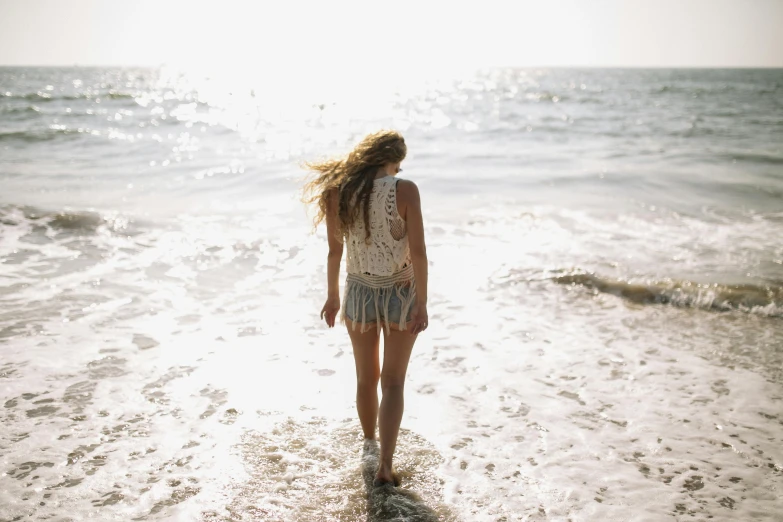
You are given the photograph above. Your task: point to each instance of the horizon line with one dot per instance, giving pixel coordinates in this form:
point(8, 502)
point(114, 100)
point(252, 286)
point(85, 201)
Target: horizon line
point(473, 66)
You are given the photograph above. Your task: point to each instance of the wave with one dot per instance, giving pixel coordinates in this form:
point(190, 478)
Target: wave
point(545, 96)
point(713, 89)
point(39, 135)
point(43, 97)
point(755, 299)
point(77, 221)
point(755, 157)
point(20, 110)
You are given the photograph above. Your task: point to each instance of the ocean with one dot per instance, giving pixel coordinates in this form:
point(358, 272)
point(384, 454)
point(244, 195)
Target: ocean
point(605, 296)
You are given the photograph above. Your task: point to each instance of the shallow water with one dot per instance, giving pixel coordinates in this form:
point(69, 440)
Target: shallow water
point(612, 350)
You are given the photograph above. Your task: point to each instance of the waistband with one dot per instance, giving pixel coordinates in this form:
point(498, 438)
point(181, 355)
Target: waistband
point(381, 281)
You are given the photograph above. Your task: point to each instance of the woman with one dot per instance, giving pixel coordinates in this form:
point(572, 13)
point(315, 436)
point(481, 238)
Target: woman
point(379, 218)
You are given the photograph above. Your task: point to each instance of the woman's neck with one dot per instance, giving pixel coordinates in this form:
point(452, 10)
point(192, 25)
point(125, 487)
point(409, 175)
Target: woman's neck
point(382, 172)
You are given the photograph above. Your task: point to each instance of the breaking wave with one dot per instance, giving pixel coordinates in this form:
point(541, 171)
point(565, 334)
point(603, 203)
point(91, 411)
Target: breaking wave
point(756, 299)
point(79, 222)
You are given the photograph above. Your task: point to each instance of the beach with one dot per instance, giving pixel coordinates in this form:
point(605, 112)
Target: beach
point(605, 297)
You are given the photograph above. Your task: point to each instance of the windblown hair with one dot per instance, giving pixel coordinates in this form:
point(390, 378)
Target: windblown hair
point(352, 177)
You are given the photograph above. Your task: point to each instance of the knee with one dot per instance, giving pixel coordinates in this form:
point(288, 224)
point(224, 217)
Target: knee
point(392, 384)
point(367, 383)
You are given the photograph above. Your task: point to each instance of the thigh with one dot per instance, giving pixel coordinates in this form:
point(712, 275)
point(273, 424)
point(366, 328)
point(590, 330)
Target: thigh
point(397, 348)
point(365, 353)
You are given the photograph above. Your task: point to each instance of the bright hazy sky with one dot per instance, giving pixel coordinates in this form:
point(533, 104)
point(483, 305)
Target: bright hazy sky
point(393, 33)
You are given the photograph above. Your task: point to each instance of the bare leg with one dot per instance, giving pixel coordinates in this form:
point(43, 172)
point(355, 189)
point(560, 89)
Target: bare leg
point(397, 347)
point(365, 355)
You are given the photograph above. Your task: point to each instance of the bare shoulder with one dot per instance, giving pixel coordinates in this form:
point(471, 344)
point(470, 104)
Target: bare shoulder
point(407, 191)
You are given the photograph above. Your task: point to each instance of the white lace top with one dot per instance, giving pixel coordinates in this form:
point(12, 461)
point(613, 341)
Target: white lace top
point(380, 267)
point(386, 251)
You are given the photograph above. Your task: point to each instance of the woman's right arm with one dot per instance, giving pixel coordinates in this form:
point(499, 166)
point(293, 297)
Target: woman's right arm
point(414, 221)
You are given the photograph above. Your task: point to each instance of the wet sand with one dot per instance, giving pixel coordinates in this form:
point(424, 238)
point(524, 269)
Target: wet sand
point(142, 389)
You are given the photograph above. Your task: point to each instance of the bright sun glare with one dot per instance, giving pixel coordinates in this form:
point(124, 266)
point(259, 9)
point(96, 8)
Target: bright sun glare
point(357, 38)
point(313, 38)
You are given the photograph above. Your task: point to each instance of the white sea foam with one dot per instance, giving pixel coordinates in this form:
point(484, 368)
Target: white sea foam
point(162, 356)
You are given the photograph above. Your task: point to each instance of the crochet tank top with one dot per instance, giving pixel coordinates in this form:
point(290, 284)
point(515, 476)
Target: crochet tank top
point(386, 252)
point(379, 268)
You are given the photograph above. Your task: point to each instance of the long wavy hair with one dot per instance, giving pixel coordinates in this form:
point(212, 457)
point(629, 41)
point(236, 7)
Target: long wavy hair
point(352, 177)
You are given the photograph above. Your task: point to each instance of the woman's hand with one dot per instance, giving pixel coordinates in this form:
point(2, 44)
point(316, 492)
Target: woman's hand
point(330, 309)
point(419, 318)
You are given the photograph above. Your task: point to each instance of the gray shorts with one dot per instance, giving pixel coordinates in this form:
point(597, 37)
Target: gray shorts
point(366, 306)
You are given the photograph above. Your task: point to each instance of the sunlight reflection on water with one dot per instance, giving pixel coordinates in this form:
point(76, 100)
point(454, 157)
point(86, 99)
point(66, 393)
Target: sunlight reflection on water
point(161, 349)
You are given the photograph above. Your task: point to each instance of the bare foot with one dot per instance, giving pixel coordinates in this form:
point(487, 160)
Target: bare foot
point(386, 475)
point(369, 447)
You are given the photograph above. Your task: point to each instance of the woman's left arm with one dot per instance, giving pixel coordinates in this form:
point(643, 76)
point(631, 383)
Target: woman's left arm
point(333, 260)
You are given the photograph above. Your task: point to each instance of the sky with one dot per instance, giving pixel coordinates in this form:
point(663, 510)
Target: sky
point(384, 36)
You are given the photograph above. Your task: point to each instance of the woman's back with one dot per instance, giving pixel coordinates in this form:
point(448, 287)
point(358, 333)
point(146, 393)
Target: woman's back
point(386, 284)
point(386, 251)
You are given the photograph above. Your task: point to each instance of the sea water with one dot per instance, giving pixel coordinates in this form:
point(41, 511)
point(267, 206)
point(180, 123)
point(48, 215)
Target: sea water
point(605, 296)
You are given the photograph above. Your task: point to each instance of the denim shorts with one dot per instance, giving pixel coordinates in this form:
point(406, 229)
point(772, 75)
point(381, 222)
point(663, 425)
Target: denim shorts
point(373, 304)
